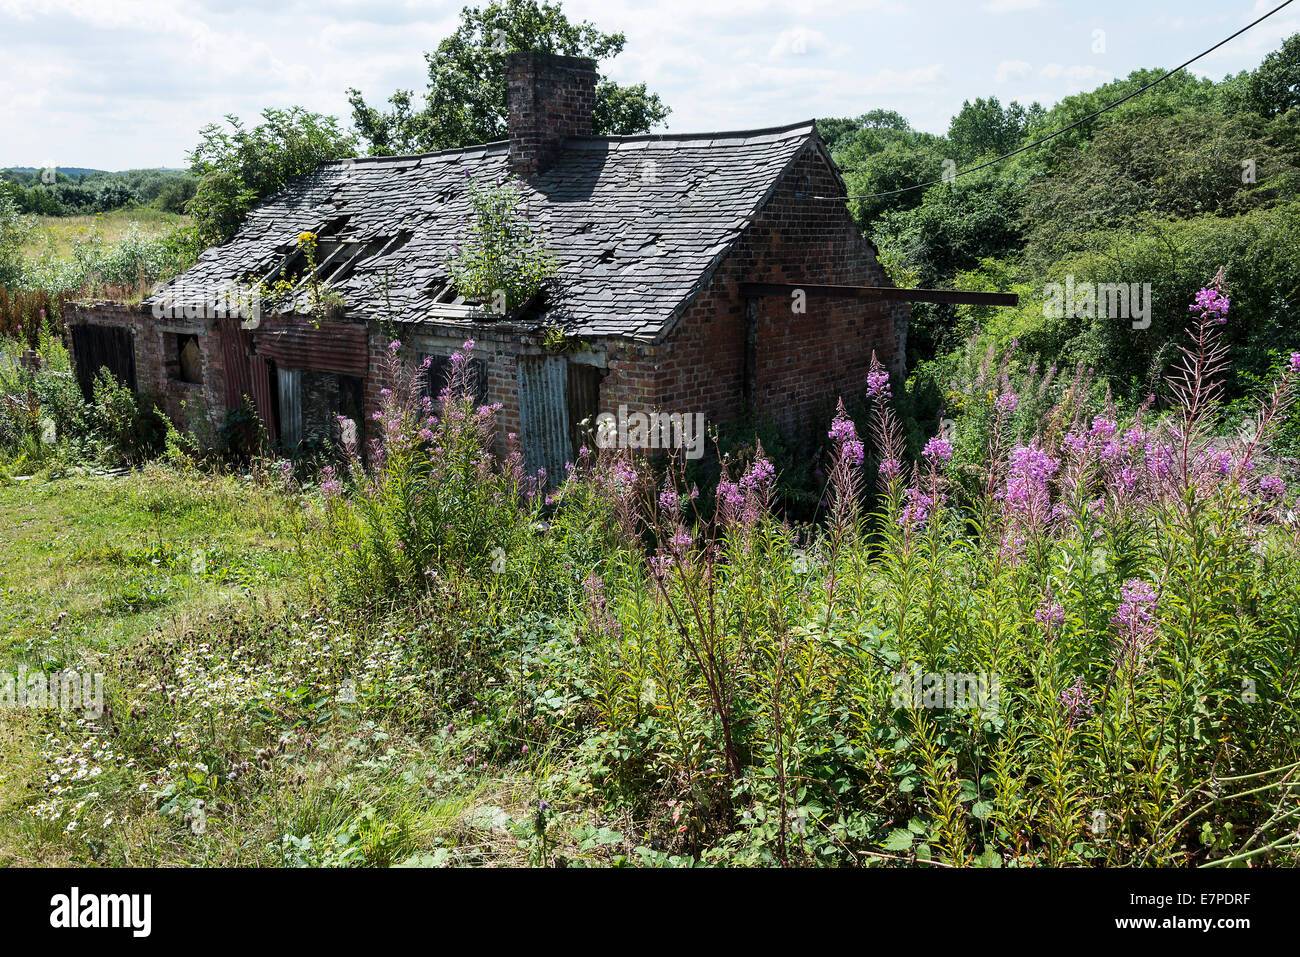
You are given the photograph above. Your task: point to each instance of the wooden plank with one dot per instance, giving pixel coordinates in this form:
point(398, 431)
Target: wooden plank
point(822, 291)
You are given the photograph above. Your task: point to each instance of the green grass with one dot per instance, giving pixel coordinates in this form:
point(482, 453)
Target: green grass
point(118, 556)
point(58, 234)
point(129, 575)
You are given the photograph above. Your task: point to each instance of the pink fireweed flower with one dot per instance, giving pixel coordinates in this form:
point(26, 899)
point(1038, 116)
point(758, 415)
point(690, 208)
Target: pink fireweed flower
point(1050, 613)
point(919, 507)
point(937, 451)
point(845, 436)
point(890, 468)
point(1077, 703)
point(1212, 305)
point(669, 500)
point(878, 385)
point(1295, 362)
point(394, 345)
point(1271, 488)
point(743, 502)
point(330, 486)
point(1159, 458)
point(1135, 620)
point(1026, 496)
point(1006, 402)
point(600, 619)
point(759, 477)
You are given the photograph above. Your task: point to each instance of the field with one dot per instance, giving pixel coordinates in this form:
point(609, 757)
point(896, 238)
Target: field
point(56, 235)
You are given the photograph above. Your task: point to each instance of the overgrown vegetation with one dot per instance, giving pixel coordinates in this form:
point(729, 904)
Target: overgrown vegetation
point(1191, 175)
point(1069, 641)
point(502, 260)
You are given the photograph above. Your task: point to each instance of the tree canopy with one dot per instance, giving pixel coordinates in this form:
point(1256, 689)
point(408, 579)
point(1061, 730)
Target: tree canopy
point(465, 102)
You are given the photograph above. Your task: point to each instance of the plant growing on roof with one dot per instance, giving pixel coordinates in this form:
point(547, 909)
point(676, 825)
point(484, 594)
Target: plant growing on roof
point(316, 298)
point(503, 261)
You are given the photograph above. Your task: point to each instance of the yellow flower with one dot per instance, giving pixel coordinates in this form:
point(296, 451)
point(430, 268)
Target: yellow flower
point(306, 238)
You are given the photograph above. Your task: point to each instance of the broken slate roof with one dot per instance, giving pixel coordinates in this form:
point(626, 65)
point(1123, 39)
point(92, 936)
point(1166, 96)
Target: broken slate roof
point(638, 223)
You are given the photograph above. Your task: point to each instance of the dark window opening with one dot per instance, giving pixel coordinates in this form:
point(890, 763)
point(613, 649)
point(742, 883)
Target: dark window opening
point(185, 360)
point(435, 377)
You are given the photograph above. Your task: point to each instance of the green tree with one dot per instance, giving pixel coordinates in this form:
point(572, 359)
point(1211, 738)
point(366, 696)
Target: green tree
point(985, 127)
point(238, 167)
point(466, 98)
point(1275, 86)
point(14, 228)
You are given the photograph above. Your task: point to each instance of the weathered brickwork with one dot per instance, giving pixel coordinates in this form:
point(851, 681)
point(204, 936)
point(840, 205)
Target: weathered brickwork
point(801, 363)
point(157, 367)
point(549, 99)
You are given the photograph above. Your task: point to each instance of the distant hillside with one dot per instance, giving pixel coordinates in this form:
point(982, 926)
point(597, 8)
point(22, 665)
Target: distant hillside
point(85, 171)
point(78, 191)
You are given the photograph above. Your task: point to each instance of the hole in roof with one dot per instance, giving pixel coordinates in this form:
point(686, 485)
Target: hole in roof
point(606, 257)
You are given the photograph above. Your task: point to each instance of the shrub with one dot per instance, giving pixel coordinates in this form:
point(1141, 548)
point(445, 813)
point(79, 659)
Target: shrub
point(502, 260)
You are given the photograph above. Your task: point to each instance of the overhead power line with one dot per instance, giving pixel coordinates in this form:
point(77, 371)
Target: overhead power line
point(1066, 129)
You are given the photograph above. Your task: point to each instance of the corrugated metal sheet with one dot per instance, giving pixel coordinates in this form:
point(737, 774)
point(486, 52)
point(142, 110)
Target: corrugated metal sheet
point(544, 415)
point(339, 347)
point(235, 345)
point(264, 397)
point(290, 390)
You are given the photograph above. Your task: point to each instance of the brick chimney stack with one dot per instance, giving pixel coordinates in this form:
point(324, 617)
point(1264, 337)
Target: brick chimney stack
point(548, 99)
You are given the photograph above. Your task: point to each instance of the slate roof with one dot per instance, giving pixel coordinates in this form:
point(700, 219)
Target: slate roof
point(637, 222)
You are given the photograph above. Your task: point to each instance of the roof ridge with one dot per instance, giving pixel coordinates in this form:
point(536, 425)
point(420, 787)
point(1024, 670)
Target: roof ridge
point(494, 145)
point(808, 125)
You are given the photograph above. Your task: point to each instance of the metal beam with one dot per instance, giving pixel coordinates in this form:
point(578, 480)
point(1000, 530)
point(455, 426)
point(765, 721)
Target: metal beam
point(821, 291)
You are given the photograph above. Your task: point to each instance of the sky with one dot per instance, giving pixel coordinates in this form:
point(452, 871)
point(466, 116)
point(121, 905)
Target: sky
point(122, 84)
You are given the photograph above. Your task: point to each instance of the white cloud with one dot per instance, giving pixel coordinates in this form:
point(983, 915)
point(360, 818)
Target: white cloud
point(130, 82)
point(1009, 70)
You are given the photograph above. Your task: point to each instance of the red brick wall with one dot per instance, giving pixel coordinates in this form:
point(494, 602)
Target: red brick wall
point(548, 99)
point(155, 368)
point(802, 362)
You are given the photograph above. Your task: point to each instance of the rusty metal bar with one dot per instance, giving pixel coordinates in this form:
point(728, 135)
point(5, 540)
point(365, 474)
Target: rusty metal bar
point(822, 291)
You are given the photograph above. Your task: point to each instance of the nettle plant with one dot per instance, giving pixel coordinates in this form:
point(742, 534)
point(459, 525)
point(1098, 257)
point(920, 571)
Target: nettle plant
point(503, 260)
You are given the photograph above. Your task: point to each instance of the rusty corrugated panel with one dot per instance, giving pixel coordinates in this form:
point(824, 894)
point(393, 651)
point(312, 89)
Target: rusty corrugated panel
point(235, 355)
point(544, 415)
point(263, 397)
point(584, 405)
point(296, 343)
